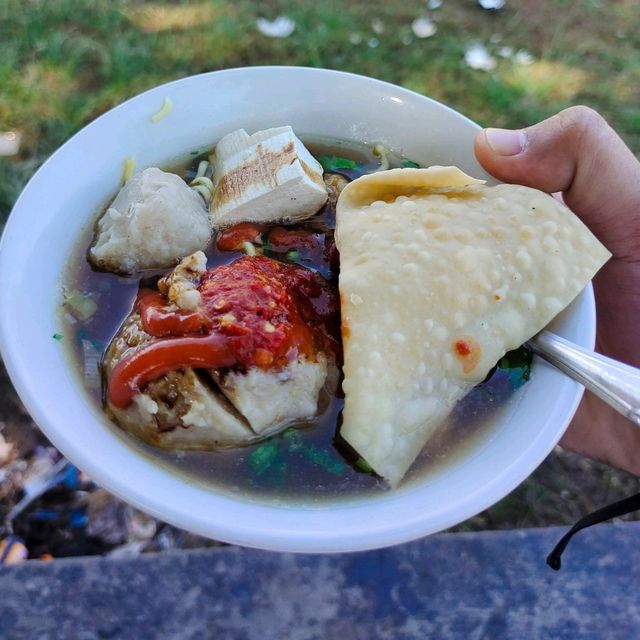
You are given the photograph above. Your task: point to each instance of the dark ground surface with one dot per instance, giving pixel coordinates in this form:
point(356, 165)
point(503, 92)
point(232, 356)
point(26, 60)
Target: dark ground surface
point(78, 518)
point(492, 585)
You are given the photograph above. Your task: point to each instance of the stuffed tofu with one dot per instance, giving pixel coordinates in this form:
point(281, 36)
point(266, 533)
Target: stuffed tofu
point(223, 356)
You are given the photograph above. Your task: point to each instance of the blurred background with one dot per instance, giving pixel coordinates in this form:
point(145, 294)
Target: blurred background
point(500, 62)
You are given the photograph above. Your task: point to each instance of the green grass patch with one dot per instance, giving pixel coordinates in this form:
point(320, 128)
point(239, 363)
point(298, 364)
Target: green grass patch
point(64, 62)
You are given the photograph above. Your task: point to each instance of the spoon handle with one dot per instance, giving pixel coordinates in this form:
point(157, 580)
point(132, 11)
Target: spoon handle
point(616, 383)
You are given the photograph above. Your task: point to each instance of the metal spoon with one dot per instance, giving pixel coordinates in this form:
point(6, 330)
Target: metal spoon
point(616, 383)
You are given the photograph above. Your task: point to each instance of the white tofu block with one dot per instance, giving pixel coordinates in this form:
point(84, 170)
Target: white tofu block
point(269, 399)
point(266, 177)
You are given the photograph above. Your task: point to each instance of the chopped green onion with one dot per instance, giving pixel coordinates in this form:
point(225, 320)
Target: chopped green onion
point(57, 336)
point(292, 255)
point(363, 465)
point(81, 306)
point(248, 248)
point(410, 164)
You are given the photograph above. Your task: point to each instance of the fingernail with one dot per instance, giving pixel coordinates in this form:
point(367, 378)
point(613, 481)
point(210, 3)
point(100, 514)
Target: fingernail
point(505, 142)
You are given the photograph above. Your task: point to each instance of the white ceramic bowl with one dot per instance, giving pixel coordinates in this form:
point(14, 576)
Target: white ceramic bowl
point(63, 197)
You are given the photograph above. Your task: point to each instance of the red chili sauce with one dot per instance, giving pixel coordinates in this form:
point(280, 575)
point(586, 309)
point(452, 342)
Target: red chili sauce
point(254, 311)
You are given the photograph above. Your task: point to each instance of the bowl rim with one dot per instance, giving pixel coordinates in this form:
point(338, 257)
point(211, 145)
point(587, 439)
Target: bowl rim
point(277, 537)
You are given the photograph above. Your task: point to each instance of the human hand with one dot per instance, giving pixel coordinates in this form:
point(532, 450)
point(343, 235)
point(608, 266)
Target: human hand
point(577, 154)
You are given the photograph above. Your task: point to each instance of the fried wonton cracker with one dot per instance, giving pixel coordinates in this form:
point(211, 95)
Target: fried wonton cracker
point(440, 276)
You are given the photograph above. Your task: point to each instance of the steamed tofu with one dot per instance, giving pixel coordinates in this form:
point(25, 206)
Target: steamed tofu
point(268, 398)
point(266, 177)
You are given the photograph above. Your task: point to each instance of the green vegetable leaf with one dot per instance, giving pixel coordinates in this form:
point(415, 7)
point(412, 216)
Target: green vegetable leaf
point(293, 439)
point(331, 163)
point(264, 456)
point(410, 164)
point(312, 453)
point(518, 365)
point(324, 459)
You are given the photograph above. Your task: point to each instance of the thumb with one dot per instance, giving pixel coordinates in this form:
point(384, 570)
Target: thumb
point(574, 152)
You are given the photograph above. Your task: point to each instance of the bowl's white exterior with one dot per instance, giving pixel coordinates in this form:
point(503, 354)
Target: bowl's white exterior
point(61, 200)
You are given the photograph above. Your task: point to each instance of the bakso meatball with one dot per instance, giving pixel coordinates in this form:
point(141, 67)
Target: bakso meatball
point(153, 222)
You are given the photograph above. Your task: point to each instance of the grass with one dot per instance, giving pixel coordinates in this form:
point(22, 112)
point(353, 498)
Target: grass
point(64, 62)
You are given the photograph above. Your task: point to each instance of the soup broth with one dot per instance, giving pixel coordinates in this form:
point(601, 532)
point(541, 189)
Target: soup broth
point(307, 461)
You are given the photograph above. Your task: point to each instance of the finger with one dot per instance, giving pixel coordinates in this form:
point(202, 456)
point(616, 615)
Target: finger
point(577, 153)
